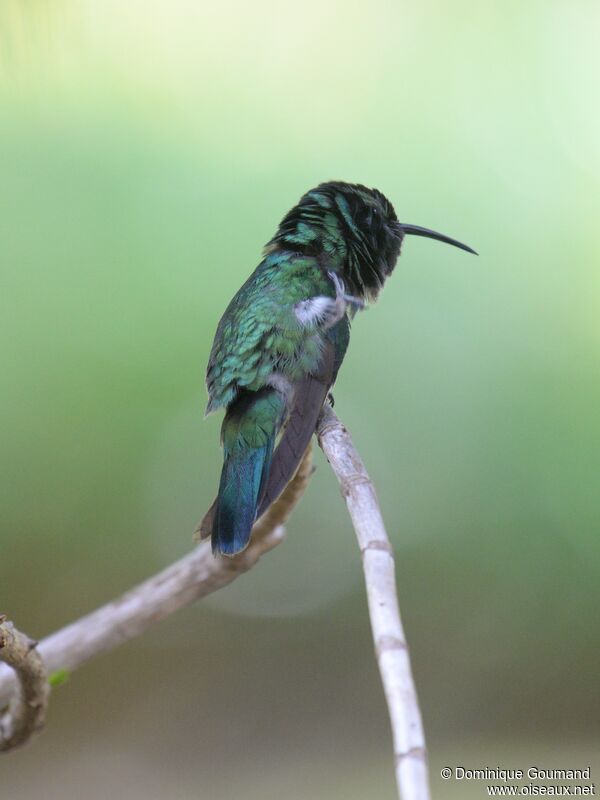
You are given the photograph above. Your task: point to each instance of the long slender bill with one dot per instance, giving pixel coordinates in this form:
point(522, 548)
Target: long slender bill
point(416, 230)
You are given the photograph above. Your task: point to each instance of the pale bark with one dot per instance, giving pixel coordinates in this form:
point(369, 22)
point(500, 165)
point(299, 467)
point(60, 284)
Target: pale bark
point(196, 575)
point(26, 711)
point(391, 649)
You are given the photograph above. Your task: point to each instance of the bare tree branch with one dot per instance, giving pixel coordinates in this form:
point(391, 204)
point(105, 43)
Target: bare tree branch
point(27, 710)
point(191, 578)
point(199, 574)
point(391, 649)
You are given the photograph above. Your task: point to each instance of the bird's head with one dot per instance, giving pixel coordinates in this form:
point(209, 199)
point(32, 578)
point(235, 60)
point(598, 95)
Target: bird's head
point(354, 229)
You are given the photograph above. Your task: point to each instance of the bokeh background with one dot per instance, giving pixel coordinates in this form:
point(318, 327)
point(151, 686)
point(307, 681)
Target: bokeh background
point(147, 152)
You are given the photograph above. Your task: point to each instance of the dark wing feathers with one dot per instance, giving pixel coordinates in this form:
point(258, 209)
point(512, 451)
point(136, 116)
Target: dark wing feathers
point(309, 397)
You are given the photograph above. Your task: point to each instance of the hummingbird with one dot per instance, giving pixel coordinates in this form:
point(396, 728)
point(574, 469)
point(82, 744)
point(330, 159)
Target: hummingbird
point(282, 339)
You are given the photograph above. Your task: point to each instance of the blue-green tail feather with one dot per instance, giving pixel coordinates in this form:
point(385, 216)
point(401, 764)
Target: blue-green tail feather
point(249, 431)
point(239, 491)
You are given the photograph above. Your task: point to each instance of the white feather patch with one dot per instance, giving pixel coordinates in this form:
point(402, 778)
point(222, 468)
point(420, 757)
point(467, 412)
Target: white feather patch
point(314, 310)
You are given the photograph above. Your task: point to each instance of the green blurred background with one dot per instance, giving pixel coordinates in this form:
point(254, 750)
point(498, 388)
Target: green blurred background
point(147, 152)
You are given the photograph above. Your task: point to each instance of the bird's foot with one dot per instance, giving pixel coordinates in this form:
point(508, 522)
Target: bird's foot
point(323, 311)
point(341, 298)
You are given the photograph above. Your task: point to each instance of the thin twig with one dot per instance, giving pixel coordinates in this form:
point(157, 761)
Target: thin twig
point(191, 578)
point(27, 710)
point(388, 634)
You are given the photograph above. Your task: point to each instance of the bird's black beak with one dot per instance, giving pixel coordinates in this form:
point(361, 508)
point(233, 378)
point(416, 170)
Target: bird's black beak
point(416, 230)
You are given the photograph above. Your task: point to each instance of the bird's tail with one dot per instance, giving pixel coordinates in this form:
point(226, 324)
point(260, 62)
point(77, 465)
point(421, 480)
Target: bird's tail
point(249, 431)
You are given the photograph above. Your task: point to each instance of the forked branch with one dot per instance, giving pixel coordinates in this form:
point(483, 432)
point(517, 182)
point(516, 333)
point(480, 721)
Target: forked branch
point(199, 574)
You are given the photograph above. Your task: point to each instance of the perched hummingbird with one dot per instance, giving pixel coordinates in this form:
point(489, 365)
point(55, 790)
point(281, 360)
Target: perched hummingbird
point(283, 337)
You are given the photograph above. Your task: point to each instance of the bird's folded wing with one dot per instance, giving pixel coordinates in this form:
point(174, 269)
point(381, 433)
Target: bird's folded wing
point(309, 397)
